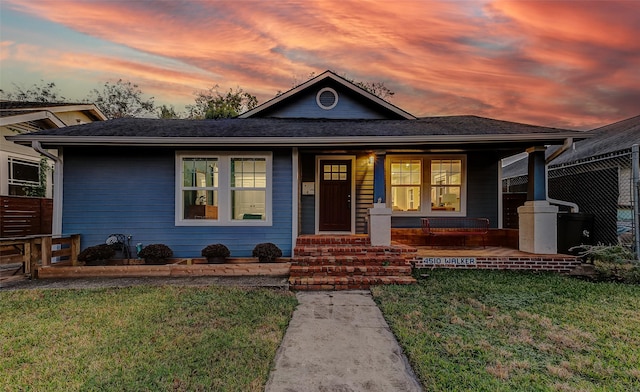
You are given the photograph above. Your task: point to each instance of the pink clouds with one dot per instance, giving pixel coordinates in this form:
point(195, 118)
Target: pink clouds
point(548, 63)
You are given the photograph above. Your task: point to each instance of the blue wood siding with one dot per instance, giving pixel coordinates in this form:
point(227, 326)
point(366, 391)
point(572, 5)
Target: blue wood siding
point(133, 191)
point(306, 107)
point(307, 202)
point(482, 187)
point(482, 191)
point(364, 192)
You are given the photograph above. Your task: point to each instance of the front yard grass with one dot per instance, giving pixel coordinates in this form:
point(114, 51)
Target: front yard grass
point(141, 338)
point(509, 331)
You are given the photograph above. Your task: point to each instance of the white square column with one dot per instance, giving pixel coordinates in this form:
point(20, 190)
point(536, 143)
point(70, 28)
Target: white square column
point(538, 230)
point(380, 225)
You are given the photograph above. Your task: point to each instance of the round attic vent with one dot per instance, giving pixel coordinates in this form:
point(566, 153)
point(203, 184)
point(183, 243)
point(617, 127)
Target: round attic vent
point(327, 98)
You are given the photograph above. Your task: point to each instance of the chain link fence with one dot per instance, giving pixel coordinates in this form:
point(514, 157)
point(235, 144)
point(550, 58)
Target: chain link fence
point(603, 187)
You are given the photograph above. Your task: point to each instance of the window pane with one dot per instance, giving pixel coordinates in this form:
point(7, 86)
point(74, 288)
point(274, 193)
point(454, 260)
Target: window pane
point(200, 172)
point(406, 172)
point(248, 204)
point(248, 173)
point(212, 174)
point(200, 204)
point(405, 198)
point(187, 172)
point(25, 172)
point(445, 198)
point(446, 172)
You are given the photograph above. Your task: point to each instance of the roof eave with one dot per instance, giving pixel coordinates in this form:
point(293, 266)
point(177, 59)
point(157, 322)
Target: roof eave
point(26, 139)
point(32, 116)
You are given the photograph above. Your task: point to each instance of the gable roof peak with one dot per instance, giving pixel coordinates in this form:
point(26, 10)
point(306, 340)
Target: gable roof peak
point(321, 78)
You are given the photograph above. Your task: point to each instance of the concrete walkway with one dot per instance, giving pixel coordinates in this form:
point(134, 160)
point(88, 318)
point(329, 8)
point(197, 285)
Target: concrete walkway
point(339, 341)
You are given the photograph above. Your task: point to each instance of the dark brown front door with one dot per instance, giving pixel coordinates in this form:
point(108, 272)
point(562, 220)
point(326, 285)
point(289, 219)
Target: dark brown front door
point(335, 195)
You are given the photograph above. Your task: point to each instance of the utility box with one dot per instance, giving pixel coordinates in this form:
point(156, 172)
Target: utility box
point(574, 228)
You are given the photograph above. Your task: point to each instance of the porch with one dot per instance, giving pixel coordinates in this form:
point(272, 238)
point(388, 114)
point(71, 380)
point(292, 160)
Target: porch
point(320, 262)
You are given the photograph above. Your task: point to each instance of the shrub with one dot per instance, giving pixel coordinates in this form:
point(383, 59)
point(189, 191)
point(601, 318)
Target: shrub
point(96, 253)
point(216, 250)
point(604, 253)
point(611, 263)
point(267, 252)
point(155, 253)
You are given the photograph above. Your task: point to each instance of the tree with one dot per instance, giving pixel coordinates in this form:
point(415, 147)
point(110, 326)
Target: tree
point(167, 112)
point(121, 99)
point(376, 88)
point(211, 104)
point(45, 92)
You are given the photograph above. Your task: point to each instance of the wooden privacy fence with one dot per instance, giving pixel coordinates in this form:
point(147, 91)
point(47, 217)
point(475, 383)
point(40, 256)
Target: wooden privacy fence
point(24, 216)
point(21, 256)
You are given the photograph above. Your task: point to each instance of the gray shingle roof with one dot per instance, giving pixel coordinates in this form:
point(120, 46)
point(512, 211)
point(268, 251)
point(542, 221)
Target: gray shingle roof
point(612, 138)
point(270, 127)
point(619, 136)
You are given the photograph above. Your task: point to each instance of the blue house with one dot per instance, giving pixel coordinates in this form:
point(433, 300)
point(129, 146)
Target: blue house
point(311, 161)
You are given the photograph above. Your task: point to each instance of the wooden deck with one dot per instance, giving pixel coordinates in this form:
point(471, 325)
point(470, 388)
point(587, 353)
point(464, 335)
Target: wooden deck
point(478, 251)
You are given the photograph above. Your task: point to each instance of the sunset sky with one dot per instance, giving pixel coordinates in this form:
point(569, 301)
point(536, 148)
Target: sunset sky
point(572, 64)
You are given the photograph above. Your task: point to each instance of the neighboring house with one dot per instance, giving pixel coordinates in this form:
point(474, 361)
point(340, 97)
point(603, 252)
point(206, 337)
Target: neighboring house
point(596, 175)
point(310, 161)
point(20, 165)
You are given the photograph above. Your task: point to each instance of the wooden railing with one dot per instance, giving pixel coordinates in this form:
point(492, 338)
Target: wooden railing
point(24, 216)
point(22, 255)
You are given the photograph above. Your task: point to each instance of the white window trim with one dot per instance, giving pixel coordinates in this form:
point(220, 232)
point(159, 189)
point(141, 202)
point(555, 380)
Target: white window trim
point(425, 190)
point(224, 189)
point(24, 161)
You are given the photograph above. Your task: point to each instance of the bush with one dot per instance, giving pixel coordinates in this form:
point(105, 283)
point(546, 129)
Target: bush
point(266, 252)
point(155, 253)
point(216, 250)
point(611, 263)
point(96, 253)
point(605, 253)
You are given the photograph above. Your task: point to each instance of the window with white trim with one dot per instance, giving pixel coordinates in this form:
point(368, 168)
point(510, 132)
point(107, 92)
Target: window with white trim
point(22, 173)
point(223, 189)
point(427, 184)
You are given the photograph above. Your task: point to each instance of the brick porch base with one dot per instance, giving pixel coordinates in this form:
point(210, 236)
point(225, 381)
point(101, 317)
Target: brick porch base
point(347, 262)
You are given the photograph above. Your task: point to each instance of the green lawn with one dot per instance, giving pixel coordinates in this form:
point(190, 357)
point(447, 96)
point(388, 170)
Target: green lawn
point(141, 338)
point(509, 331)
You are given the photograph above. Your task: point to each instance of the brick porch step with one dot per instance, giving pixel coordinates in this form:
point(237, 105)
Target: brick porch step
point(345, 271)
point(333, 240)
point(345, 283)
point(349, 249)
point(348, 262)
point(351, 260)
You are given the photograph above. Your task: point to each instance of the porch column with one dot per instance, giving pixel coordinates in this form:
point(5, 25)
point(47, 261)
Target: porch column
point(379, 215)
point(380, 225)
point(537, 218)
point(379, 191)
point(536, 186)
